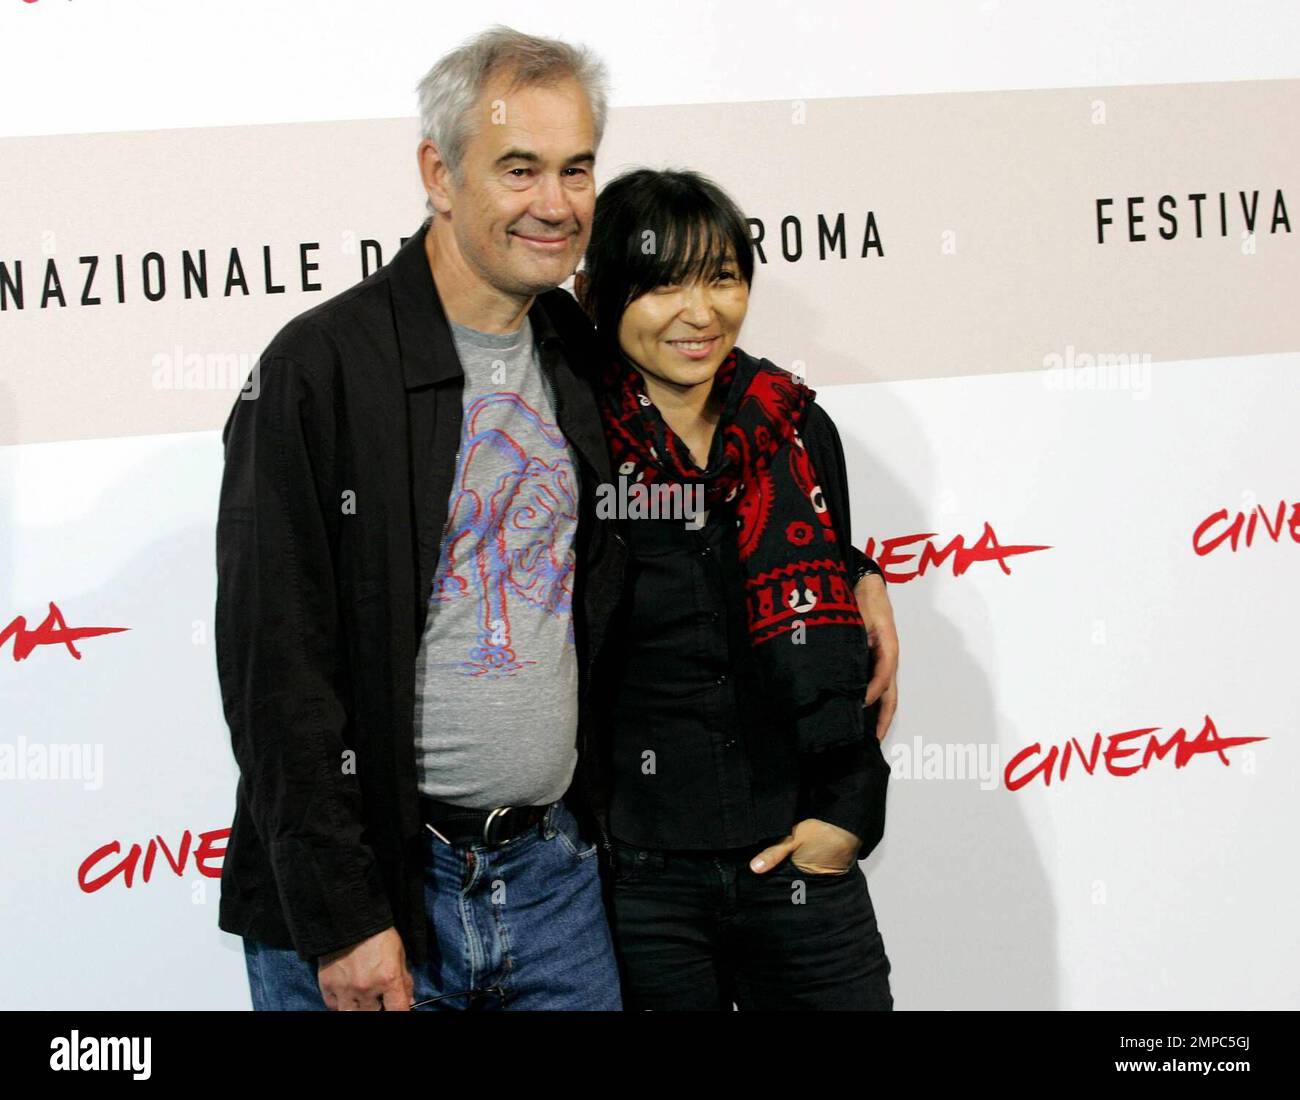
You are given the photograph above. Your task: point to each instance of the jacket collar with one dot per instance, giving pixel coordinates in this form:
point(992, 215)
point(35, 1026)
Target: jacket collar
point(424, 337)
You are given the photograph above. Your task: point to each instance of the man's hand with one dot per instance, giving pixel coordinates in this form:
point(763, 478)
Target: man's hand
point(367, 976)
point(878, 616)
point(815, 846)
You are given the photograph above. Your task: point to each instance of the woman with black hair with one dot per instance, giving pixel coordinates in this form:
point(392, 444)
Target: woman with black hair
point(743, 777)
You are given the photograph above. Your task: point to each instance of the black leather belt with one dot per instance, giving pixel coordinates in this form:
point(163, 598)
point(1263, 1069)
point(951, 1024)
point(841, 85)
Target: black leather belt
point(490, 828)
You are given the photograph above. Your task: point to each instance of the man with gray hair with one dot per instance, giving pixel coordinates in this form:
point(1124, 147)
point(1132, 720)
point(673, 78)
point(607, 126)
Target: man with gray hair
point(401, 672)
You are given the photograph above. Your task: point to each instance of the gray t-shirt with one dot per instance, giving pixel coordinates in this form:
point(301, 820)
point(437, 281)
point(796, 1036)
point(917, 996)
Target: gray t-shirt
point(496, 675)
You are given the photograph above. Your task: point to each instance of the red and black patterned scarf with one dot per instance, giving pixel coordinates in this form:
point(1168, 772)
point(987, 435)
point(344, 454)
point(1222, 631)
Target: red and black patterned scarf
point(803, 619)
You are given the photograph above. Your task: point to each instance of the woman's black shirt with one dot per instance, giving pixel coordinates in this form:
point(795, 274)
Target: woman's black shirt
point(694, 757)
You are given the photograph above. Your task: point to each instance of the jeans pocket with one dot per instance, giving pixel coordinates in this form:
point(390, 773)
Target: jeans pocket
point(795, 869)
point(634, 865)
point(628, 863)
point(568, 833)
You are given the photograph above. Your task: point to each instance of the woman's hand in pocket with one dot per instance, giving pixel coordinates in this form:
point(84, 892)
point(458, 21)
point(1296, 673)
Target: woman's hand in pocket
point(815, 846)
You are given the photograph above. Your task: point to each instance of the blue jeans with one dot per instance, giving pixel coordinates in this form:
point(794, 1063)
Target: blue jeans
point(521, 926)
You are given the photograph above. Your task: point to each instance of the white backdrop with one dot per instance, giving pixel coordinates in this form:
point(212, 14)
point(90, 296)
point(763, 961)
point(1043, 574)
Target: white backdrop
point(1170, 888)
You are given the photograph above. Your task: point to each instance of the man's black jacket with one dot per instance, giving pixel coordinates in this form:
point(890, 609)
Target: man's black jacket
point(333, 501)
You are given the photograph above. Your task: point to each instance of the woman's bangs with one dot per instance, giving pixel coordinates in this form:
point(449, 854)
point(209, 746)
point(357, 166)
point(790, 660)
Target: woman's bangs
point(687, 250)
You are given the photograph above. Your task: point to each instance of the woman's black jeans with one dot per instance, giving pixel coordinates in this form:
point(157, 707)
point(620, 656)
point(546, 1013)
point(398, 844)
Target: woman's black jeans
point(701, 931)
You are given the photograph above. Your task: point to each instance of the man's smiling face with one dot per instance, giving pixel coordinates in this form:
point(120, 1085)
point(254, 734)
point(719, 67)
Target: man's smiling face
point(521, 214)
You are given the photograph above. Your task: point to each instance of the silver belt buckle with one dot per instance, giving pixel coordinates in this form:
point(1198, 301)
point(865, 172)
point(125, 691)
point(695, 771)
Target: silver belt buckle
point(487, 825)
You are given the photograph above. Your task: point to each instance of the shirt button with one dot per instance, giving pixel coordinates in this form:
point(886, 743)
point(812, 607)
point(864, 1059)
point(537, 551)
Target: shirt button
point(729, 744)
point(722, 679)
point(705, 551)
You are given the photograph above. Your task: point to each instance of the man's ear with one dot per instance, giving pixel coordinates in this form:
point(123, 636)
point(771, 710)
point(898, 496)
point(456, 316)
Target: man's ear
point(580, 288)
point(435, 176)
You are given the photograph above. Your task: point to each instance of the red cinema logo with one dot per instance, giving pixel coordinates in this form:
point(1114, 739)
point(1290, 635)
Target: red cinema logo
point(901, 550)
point(1214, 530)
point(53, 631)
point(100, 868)
point(1119, 756)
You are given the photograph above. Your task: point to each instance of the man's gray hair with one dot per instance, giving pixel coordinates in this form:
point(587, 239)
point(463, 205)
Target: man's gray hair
point(449, 91)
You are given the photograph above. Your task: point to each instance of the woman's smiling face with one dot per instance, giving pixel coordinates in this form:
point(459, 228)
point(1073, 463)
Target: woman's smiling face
point(681, 332)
